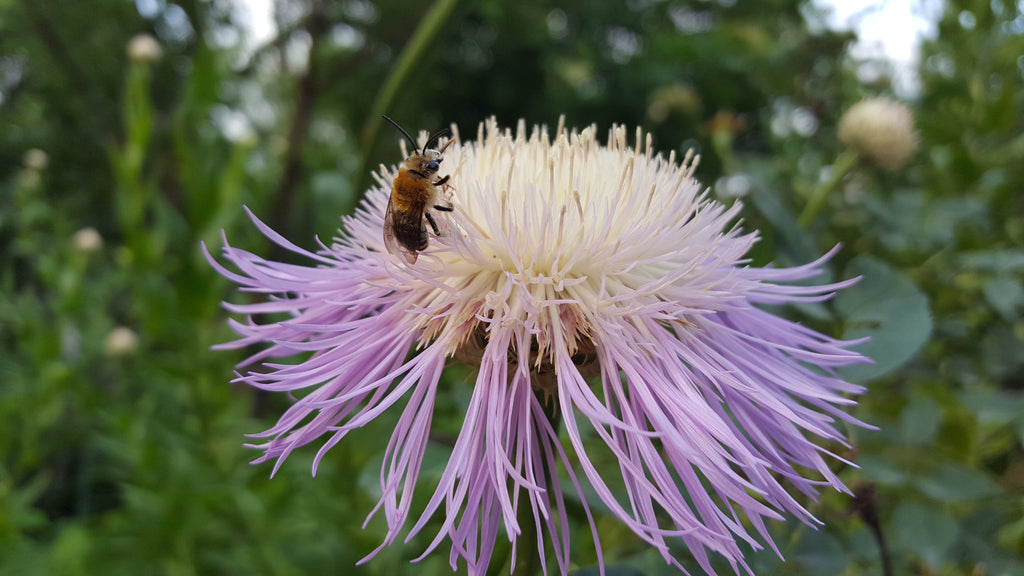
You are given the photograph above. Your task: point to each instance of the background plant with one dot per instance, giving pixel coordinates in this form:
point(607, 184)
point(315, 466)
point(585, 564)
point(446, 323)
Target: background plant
point(121, 459)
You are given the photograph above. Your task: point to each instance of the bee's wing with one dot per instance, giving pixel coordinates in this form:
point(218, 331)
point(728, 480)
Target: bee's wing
point(391, 243)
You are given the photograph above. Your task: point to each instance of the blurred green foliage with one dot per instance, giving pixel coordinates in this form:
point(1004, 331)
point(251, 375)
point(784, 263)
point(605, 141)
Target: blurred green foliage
point(125, 457)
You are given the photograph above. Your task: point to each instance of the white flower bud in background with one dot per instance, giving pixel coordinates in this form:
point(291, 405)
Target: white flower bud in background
point(144, 49)
point(121, 342)
point(35, 159)
point(881, 131)
point(87, 240)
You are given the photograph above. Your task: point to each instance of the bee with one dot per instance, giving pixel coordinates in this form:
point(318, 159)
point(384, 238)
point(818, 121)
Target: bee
point(413, 193)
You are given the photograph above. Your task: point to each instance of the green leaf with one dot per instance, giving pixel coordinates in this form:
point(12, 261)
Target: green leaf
point(910, 220)
point(993, 260)
point(1005, 294)
point(888, 308)
point(821, 554)
point(608, 571)
point(793, 244)
point(73, 544)
point(953, 482)
point(927, 532)
point(1000, 351)
point(920, 420)
point(881, 470)
point(1001, 407)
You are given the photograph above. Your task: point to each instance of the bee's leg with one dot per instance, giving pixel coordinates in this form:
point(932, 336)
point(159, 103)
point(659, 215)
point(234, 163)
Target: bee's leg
point(430, 219)
point(443, 182)
point(446, 192)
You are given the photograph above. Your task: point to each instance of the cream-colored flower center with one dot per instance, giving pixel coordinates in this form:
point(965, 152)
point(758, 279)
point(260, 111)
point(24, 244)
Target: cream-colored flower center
point(550, 233)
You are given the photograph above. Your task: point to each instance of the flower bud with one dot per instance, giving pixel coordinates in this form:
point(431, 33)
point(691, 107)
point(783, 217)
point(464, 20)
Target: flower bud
point(121, 342)
point(144, 49)
point(35, 159)
point(87, 240)
point(881, 131)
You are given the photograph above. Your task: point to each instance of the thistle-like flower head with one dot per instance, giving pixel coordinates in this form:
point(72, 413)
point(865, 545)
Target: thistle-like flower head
point(144, 49)
point(611, 314)
point(881, 131)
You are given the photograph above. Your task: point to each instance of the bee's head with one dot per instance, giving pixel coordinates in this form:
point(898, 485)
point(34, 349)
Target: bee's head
point(427, 161)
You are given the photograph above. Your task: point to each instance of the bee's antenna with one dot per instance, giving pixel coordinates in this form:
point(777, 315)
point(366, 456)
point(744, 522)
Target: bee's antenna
point(433, 138)
point(402, 130)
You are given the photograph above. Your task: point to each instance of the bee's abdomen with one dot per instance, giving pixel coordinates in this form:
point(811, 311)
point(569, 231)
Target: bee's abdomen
point(410, 231)
point(409, 200)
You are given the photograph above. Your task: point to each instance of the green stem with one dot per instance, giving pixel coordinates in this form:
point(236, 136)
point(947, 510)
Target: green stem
point(840, 168)
point(429, 28)
point(135, 193)
point(527, 553)
point(528, 561)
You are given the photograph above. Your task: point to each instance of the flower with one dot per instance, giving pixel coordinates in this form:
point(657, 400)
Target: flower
point(881, 131)
point(36, 159)
point(87, 240)
point(121, 341)
point(593, 287)
point(144, 49)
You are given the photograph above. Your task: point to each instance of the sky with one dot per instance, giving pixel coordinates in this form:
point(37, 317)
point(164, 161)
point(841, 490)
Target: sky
point(891, 29)
point(894, 26)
